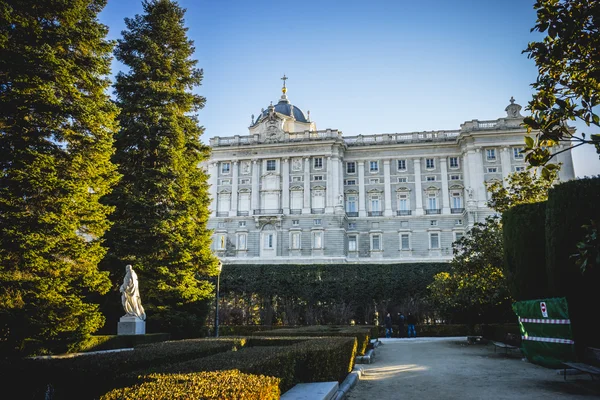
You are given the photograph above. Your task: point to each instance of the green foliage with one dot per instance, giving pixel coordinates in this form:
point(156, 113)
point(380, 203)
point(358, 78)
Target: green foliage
point(201, 385)
point(523, 229)
point(162, 201)
point(568, 61)
point(91, 375)
point(56, 138)
point(570, 206)
point(522, 187)
point(324, 294)
point(361, 333)
point(475, 289)
point(110, 342)
point(588, 249)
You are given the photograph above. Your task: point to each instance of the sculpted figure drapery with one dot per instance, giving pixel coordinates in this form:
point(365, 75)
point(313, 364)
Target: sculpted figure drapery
point(130, 294)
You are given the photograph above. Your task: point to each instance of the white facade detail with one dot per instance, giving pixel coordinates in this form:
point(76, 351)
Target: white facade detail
point(289, 193)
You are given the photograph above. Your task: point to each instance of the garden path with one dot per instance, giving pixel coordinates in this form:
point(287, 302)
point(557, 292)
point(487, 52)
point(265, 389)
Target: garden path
point(448, 368)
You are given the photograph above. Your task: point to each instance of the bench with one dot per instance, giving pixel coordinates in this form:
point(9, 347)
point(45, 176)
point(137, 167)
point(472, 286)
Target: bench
point(591, 357)
point(474, 339)
point(505, 346)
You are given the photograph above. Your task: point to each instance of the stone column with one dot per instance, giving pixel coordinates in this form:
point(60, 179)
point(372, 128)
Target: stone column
point(387, 189)
point(213, 169)
point(234, 189)
point(255, 205)
point(445, 192)
point(465, 170)
point(418, 187)
point(476, 176)
point(362, 211)
point(306, 209)
point(505, 162)
point(285, 194)
point(335, 185)
point(329, 202)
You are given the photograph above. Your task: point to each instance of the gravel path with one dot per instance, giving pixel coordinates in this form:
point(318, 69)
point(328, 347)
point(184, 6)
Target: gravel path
point(448, 368)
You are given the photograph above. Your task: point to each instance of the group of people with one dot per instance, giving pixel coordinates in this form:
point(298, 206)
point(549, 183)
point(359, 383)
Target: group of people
point(410, 321)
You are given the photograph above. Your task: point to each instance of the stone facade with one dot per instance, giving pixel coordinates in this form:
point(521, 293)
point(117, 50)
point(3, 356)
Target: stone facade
point(289, 193)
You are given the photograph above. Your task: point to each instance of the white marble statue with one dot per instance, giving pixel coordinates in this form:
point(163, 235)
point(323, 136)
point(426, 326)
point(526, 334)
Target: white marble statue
point(130, 294)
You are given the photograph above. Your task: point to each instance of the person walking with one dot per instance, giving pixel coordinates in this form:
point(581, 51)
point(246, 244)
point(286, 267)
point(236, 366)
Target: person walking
point(401, 319)
point(388, 325)
point(411, 321)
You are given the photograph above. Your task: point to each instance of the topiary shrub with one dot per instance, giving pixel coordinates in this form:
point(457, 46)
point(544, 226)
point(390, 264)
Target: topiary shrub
point(570, 206)
point(523, 228)
point(213, 385)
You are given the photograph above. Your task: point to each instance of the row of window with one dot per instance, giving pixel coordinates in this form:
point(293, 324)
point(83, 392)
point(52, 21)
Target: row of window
point(271, 165)
point(403, 204)
point(351, 225)
point(375, 241)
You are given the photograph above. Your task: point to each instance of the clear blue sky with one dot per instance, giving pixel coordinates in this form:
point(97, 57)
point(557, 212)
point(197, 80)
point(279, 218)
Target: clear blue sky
point(360, 67)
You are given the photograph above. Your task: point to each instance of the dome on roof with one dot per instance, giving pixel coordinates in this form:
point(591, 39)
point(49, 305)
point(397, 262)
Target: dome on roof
point(284, 107)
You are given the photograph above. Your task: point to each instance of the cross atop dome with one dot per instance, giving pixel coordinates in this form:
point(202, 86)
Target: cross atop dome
point(284, 89)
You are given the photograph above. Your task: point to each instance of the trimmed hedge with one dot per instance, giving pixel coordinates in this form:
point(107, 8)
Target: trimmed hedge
point(523, 228)
point(361, 333)
point(97, 373)
point(424, 330)
point(214, 385)
point(111, 342)
point(571, 205)
point(315, 360)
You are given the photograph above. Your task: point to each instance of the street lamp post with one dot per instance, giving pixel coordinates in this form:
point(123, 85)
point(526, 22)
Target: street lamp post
point(219, 269)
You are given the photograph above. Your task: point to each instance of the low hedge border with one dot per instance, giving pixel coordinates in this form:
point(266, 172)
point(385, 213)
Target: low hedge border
point(111, 342)
point(314, 360)
point(201, 385)
point(97, 373)
point(361, 333)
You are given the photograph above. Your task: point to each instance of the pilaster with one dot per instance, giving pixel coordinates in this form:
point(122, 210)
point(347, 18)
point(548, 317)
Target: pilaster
point(387, 189)
point(285, 191)
point(362, 212)
point(329, 202)
point(255, 205)
point(306, 209)
point(505, 163)
point(445, 191)
point(234, 189)
point(418, 187)
point(212, 172)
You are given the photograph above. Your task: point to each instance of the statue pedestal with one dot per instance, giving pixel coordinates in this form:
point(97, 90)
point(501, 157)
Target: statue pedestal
point(131, 325)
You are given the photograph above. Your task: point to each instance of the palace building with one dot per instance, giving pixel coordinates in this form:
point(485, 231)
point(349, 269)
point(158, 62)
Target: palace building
point(289, 193)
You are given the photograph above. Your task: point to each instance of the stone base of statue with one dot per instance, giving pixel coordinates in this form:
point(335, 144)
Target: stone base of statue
point(131, 325)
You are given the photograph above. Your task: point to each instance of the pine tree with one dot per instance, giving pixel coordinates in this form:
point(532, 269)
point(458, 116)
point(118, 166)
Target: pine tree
point(162, 200)
point(56, 141)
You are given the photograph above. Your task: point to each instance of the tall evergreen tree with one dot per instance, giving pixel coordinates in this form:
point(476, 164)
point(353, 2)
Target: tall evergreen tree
point(162, 200)
point(56, 141)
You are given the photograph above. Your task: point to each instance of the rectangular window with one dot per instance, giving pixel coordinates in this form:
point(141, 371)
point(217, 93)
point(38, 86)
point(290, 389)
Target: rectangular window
point(297, 178)
point(373, 181)
point(317, 177)
point(430, 163)
point(352, 243)
point(492, 170)
point(458, 222)
point(376, 242)
point(375, 204)
point(517, 153)
point(296, 240)
point(242, 224)
point(317, 222)
point(401, 165)
point(402, 179)
point(271, 165)
point(456, 200)
point(519, 169)
point(404, 241)
point(458, 236)
point(220, 242)
point(351, 167)
point(433, 223)
point(225, 168)
point(430, 178)
point(317, 240)
point(241, 245)
point(351, 203)
point(403, 202)
point(350, 182)
point(491, 154)
point(454, 177)
point(453, 162)
point(318, 162)
point(434, 241)
point(269, 239)
point(225, 181)
point(432, 202)
point(295, 222)
point(351, 225)
point(244, 181)
point(221, 224)
point(373, 166)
